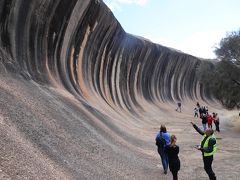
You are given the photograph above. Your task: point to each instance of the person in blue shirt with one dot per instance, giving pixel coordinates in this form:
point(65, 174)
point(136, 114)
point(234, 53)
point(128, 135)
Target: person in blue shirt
point(162, 140)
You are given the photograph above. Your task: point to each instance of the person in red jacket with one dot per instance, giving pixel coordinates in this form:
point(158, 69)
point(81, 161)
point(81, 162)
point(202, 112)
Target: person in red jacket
point(209, 120)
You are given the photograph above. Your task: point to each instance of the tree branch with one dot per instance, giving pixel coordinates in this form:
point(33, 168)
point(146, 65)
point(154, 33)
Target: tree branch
point(237, 82)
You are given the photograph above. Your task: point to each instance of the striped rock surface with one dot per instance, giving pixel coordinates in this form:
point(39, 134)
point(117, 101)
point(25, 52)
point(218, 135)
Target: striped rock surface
point(80, 98)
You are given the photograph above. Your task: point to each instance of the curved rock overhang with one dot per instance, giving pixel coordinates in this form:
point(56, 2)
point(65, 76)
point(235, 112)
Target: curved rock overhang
point(81, 46)
point(114, 77)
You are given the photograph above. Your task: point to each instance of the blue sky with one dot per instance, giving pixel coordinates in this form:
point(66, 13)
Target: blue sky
point(192, 26)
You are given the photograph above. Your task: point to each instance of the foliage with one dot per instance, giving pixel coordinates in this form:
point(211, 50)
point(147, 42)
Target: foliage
point(222, 78)
point(229, 49)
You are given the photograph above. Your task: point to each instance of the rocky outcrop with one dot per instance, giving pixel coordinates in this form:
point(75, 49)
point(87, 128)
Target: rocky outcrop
point(78, 47)
point(81, 46)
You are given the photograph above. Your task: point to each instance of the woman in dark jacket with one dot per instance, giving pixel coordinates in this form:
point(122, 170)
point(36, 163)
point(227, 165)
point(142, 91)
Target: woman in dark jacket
point(172, 151)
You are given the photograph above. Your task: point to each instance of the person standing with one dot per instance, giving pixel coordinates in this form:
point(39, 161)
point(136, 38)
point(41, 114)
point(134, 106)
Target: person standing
point(162, 140)
point(209, 120)
point(204, 121)
point(200, 110)
point(198, 105)
point(208, 147)
point(195, 112)
point(206, 109)
point(172, 151)
point(216, 121)
point(179, 105)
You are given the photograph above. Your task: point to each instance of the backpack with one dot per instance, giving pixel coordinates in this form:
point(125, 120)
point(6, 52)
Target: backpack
point(160, 141)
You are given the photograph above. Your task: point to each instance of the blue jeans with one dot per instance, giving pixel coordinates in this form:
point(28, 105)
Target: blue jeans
point(164, 158)
point(204, 127)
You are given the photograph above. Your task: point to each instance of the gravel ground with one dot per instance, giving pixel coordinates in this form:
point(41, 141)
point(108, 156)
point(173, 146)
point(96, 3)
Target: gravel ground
point(47, 134)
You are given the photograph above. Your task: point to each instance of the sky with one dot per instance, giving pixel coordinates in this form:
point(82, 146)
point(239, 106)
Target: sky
point(193, 26)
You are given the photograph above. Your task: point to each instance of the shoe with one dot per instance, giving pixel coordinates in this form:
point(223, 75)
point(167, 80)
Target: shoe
point(165, 172)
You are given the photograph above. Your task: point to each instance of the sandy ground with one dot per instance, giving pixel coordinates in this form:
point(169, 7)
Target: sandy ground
point(47, 134)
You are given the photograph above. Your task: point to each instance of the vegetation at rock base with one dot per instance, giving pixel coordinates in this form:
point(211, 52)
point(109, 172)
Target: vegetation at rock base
point(221, 77)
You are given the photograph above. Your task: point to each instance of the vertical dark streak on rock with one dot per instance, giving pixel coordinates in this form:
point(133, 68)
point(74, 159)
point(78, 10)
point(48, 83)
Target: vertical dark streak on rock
point(103, 79)
point(46, 44)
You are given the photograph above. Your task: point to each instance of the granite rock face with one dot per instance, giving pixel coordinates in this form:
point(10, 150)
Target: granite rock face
point(89, 85)
point(81, 46)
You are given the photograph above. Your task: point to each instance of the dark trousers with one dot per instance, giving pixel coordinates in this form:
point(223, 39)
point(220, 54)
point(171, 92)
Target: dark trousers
point(217, 126)
point(175, 175)
point(208, 167)
point(174, 166)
